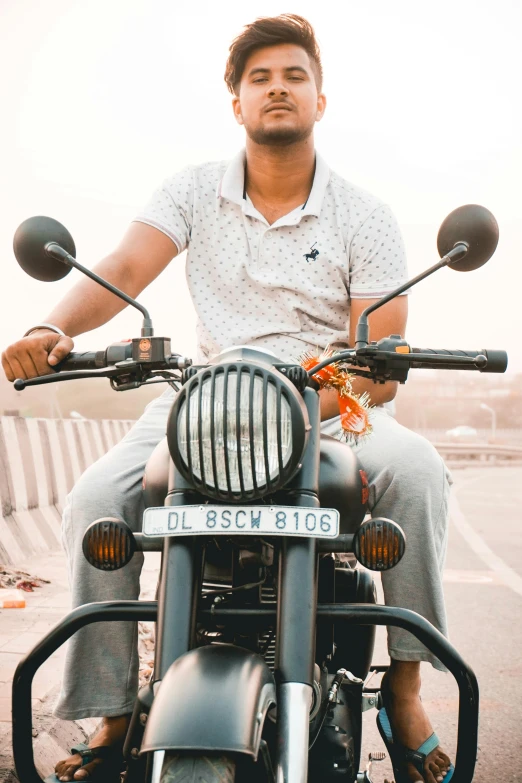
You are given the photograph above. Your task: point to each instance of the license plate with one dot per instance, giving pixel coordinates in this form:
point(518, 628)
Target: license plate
point(241, 520)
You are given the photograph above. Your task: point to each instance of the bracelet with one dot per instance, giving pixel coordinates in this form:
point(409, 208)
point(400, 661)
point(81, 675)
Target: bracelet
point(51, 327)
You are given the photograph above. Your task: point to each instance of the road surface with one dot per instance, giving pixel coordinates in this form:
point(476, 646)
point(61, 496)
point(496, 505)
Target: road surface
point(483, 587)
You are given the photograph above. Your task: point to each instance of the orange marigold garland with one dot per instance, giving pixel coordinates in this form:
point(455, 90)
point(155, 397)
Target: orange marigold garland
point(354, 408)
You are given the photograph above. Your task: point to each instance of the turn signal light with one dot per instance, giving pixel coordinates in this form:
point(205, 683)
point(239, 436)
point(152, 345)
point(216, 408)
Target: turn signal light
point(108, 544)
point(379, 544)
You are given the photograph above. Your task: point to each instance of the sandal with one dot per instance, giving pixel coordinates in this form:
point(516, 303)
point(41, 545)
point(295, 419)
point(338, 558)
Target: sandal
point(111, 753)
point(400, 755)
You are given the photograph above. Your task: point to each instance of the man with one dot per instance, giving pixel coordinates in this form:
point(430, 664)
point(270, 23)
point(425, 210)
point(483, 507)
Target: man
point(252, 227)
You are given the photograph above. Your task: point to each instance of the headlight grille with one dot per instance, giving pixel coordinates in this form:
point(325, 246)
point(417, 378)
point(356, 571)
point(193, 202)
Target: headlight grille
point(237, 431)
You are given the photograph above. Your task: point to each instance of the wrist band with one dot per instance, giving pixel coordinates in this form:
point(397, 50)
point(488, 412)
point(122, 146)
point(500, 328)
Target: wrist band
point(51, 327)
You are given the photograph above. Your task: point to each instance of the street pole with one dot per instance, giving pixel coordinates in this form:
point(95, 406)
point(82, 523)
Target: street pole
point(493, 419)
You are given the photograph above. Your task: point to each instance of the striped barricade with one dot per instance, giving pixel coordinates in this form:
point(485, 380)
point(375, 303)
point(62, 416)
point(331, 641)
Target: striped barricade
point(40, 461)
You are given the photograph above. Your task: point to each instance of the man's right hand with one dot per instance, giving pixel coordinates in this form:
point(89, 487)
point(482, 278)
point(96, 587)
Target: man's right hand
point(35, 354)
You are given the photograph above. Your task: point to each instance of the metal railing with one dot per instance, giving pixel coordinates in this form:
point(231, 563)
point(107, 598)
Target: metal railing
point(479, 453)
point(507, 435)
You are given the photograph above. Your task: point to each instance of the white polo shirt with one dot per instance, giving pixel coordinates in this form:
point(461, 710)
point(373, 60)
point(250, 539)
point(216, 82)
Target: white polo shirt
point(286, 286)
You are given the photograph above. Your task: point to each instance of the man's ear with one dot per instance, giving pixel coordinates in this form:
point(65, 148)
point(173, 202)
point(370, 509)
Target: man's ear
point(321, 107)
point(236, 108)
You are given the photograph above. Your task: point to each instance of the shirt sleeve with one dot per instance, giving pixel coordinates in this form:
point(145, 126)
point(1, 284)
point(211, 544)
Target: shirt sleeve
point(170, 208)
point(376, 256)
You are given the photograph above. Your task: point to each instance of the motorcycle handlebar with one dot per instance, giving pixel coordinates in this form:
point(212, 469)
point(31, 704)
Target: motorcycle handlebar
point(497, 361)
point(88, 360)
point(93, 363)
point(115, 353)
point(96, 360)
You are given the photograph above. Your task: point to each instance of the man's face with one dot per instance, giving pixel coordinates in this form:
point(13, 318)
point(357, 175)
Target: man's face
point(278, 102)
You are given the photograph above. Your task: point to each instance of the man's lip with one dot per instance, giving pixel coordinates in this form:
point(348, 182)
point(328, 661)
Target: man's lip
point(279, 107)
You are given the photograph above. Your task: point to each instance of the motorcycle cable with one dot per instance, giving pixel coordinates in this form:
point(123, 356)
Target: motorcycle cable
point(339, 357)
point(237, 589)
point(330, 699)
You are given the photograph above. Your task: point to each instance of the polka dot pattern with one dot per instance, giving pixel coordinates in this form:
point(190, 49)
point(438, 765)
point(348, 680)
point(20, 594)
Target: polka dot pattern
point(251, 282)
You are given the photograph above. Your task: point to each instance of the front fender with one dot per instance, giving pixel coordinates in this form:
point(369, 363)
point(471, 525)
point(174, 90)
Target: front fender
point(214, 698)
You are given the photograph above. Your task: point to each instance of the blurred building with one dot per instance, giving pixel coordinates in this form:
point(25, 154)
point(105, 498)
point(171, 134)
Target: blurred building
point(445, 399)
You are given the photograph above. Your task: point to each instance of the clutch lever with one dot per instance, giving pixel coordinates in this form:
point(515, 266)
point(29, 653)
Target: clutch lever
point(125, 368)
point(68, 375)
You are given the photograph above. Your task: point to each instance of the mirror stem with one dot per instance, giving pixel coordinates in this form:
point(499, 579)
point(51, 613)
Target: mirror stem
point(362, 333)
point(59, 254)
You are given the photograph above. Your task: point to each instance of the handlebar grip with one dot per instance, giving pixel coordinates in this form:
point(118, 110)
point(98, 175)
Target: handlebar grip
point(88, 360)
point(497, 361)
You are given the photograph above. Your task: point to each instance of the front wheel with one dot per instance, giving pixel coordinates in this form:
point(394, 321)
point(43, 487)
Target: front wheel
point(197, 769)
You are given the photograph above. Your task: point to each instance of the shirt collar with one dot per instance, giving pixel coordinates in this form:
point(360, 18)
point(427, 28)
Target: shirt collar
point(231, 186)
point(232, 182)
point(319, 185)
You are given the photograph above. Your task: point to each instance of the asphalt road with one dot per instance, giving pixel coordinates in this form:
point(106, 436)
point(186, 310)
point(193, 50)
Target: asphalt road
point(483, 587)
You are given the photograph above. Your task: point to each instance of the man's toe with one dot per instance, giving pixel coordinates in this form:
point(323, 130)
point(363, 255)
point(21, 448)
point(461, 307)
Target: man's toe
point(65, 769)
point(66, 772)
point(85, 772)
point(436, 771)
point(443, 763)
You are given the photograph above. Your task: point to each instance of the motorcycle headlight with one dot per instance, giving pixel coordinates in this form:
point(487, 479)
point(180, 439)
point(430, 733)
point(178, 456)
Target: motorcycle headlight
point(237, 431)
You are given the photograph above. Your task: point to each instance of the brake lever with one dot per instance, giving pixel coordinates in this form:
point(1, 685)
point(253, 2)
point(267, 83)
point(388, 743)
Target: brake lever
point(105, 372)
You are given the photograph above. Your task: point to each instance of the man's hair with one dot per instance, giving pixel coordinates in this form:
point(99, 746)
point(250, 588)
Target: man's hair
point(271, 31)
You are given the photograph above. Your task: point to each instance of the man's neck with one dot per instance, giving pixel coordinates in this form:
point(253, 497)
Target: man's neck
point(279, 176)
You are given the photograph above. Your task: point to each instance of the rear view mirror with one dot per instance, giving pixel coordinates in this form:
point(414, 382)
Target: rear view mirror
point(29, 245)
point(473, 226)
point(467, 238)
point(45, 250)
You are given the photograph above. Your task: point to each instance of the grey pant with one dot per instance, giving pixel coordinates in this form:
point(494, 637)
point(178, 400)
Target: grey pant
point(408, 483)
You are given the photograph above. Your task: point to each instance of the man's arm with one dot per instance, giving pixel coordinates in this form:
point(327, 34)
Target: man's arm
point(142, 254)
point(389, 319)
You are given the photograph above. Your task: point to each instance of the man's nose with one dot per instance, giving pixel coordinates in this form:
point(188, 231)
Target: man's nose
point(277, 89)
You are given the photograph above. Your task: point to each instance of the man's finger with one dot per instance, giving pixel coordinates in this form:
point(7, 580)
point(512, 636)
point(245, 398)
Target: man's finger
point(7, 368)
point(41, 360)
point(62, 349)
point(21, 366)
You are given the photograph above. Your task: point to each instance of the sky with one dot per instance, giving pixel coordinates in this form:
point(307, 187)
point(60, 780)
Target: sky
point(102, 100)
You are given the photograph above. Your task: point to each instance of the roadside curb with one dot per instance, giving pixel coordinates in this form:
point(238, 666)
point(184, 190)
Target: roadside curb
point(53, 739)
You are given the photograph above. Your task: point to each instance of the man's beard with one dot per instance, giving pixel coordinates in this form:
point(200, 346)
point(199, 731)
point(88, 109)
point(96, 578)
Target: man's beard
point(278, 136)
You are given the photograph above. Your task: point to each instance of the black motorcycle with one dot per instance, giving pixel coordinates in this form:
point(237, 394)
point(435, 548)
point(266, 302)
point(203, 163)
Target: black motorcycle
point(264, 626)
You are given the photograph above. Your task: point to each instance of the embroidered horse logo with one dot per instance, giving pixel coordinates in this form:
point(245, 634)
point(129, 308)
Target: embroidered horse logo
point(312, 255)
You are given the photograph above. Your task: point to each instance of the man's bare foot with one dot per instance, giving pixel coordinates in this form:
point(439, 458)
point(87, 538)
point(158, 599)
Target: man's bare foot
point(111, 733)
point(411, 725)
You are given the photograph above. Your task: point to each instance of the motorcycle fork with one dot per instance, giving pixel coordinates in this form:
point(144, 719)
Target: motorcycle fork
point(180, 581)
point(296, 618)
point(180, 576)
point(295, 656)
point(177, 595)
